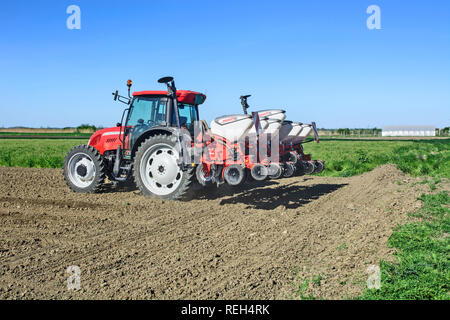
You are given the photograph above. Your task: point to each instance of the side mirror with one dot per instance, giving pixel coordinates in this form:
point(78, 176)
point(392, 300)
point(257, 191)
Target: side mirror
point(116, 94)
point(118, 124)
point(171, 90)
point(165, 79)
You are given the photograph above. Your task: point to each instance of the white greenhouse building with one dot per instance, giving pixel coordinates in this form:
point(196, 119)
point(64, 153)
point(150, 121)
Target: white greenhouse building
point(408, 131)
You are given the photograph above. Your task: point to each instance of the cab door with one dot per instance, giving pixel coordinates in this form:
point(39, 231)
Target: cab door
point(145, 113)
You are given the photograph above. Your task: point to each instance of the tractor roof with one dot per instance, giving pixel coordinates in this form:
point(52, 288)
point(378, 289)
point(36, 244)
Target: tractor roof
point(183, 96)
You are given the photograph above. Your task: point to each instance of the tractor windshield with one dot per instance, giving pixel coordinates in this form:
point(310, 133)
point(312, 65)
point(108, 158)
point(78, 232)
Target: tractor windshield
point(188, 115)
point(147, 111)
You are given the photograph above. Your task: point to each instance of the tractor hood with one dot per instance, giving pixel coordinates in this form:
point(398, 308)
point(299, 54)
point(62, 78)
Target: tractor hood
point(183, 96)
point(113, 131)
point(106, 139)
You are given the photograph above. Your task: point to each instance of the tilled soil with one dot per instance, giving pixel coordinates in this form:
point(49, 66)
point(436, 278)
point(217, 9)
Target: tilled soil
point(280, 239)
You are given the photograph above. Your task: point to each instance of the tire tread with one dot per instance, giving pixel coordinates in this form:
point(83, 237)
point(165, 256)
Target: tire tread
point(100, 167)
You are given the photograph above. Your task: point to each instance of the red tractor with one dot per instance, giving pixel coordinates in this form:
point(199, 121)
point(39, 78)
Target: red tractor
point(163, 147)
point(144, 146)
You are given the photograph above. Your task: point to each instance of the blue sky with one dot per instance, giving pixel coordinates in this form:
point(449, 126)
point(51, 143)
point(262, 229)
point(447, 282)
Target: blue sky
point(316, 59)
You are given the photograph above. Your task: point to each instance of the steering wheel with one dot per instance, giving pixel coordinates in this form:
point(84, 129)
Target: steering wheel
point(139, 127)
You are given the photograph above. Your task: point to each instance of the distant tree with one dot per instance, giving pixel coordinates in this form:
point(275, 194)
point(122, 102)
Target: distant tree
point(343, 131)
point(86, 128)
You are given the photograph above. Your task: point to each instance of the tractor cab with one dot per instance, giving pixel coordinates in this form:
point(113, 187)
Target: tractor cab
point(153, 111)
point(148, 114)
point(149, 109)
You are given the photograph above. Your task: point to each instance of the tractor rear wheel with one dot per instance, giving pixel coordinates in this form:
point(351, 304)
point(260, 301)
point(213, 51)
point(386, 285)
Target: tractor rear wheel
point(157, 172)
point(83, 169)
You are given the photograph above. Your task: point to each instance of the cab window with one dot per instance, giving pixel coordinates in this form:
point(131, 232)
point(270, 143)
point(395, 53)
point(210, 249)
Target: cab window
point(147, 111)
point(188, 115)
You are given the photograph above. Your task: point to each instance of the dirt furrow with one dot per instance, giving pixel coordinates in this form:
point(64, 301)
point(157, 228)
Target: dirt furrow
point(257, 242)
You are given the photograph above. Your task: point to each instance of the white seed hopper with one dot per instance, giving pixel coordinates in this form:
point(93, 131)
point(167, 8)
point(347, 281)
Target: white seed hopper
point(232, 127)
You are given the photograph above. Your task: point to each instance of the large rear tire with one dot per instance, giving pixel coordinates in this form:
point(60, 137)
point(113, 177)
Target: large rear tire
point(157, 172)
point(83, 169)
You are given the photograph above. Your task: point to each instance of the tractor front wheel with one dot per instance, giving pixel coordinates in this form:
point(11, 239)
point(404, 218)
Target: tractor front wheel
point(83, 169)
point(157, 171)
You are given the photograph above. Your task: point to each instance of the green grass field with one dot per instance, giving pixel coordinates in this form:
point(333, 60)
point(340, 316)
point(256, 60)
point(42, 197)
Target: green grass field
point(423, 270)
point(342, 158)
point(46, 134)
point(38, 153)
